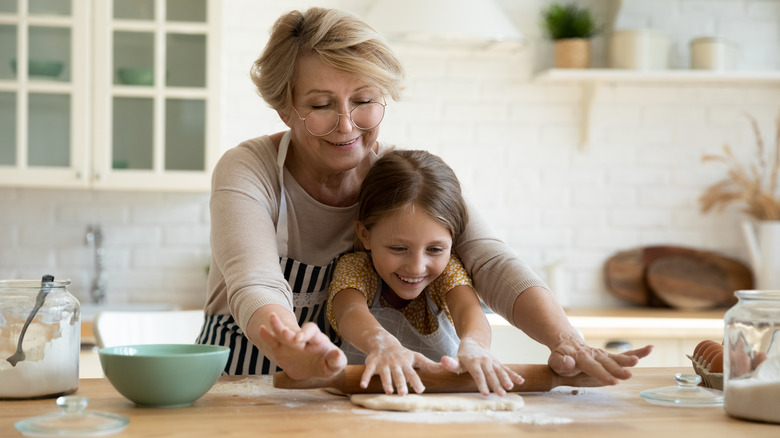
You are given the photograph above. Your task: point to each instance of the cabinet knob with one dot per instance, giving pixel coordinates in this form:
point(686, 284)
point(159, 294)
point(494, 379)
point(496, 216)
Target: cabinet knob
point(79, 174)
point(98, 176)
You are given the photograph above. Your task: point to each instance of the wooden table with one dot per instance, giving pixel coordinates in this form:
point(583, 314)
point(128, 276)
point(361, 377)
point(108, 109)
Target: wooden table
point(250, 406)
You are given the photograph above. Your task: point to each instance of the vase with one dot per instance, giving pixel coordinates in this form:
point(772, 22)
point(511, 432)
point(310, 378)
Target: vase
point(763, 243)
point(572, 53)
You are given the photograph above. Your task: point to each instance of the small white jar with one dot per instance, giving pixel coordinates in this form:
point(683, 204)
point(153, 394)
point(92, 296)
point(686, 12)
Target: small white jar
point(713, 53)
point(639, 49)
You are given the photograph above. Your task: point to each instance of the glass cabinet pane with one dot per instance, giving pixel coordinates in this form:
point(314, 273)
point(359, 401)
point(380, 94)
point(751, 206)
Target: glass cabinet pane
point(133, 133)
point(186, 60)
point(49, 53)
point(186, 10)
point(185, 134)
point(49, 130)
point(133, 9)
point(7, 52)
point(134, 58)
point(8, 128)
point(7, 6)
point(50, 7)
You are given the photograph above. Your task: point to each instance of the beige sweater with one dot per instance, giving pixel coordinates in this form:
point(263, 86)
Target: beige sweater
point(245, 273)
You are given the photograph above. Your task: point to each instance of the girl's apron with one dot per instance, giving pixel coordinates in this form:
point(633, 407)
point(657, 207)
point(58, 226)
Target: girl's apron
point(443, 342)
point(310, 294)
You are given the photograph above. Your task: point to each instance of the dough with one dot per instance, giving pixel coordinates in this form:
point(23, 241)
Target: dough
point(438, 402)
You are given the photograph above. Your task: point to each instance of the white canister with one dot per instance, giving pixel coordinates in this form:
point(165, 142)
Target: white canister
point(713, 53)
point(639, 49)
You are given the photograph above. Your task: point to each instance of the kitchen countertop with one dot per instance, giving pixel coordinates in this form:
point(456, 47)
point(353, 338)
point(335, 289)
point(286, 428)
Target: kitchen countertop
point(642, 322)
point(250, 406)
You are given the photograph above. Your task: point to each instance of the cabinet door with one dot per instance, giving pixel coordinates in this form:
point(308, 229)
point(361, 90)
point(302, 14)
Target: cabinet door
point(42, 105)
point(156, 86)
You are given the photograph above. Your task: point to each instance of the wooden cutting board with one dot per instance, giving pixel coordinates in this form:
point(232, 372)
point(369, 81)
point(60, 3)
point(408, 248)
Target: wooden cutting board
point(675, 276)
point(538, 378)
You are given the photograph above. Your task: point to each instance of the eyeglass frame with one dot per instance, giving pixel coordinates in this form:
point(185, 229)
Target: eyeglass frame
point(338, 117)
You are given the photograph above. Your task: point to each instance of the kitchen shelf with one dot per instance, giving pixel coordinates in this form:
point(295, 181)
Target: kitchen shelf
point(591, 79)
point(671, 76)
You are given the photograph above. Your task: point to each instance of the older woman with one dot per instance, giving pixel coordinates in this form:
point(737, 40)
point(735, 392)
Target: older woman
point(283, 208)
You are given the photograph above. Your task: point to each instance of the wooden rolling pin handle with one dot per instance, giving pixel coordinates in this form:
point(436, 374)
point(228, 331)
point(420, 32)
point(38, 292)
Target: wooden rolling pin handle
point(538, 378)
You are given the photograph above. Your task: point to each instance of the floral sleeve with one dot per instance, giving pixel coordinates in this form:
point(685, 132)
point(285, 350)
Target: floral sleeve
point(353, 271)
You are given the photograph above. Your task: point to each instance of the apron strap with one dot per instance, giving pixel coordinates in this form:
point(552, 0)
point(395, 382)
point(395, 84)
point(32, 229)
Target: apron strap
point(281, 223)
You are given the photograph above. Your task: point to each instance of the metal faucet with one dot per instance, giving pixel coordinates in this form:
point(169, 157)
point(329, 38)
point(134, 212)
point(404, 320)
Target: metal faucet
point(94, 238)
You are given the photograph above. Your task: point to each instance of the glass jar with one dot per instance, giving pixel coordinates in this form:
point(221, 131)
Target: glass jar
point(50, 363)
point(751, 384)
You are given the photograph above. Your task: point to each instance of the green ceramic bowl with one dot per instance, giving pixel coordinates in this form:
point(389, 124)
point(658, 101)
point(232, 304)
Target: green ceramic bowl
point(41, 68)
point(163, 374)
point(136, 76)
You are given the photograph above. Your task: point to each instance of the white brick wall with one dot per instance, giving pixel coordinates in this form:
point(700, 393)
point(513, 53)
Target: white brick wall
point(512, 141)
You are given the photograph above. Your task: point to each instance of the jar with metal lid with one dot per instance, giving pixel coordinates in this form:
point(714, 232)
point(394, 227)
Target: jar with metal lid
point(40, 338)
point(751, 384)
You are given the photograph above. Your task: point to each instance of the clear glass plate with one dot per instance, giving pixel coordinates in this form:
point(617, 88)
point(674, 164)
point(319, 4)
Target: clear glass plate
point(72, 420)
point(687, 393)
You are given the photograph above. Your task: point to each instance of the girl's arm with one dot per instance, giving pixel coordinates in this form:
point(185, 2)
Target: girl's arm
point(386, 356)
point(475, 336)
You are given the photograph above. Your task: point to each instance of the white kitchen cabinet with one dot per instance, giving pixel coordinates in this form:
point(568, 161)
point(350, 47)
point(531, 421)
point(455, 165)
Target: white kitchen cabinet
point(674, 334)
point(130, 100)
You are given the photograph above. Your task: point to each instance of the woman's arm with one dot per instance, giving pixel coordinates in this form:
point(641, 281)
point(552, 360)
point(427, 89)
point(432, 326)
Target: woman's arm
point(386, 356)
point(509, 287)
point(474, 351)
point(539, 315)
point(246, 280)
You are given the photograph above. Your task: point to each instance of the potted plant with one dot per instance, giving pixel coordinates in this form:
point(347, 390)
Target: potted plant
point(570, 27)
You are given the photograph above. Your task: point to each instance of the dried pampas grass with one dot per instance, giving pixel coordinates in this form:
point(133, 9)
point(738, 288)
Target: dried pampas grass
point(754, 184)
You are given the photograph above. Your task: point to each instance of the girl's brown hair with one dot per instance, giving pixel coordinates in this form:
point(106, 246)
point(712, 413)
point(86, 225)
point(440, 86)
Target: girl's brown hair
point(339, 38)
point(410, 177)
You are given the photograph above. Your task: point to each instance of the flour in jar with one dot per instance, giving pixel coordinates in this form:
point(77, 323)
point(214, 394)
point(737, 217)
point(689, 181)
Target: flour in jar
point(51, 365)
point(757, 397)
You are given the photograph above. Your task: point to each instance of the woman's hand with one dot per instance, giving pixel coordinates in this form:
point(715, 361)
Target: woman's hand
point(302, 352)
point(572, 356)
point(395, 365)
point(486, 370)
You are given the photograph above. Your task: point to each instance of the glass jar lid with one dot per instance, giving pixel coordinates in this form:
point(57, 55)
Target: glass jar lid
point(687, 393)
point(72, 420)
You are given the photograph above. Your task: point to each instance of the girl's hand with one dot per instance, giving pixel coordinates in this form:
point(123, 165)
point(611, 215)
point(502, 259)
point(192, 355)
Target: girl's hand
point(304, 352)
point(395, 366)
point(487, 371)
point(572, 356)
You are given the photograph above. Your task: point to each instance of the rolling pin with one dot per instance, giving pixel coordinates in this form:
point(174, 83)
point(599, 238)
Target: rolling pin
point(538, 378)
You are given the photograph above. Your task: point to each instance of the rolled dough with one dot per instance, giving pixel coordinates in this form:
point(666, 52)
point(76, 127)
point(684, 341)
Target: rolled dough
point(438, 402)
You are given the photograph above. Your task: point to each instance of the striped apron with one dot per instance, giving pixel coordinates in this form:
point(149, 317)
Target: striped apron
point(310, 294)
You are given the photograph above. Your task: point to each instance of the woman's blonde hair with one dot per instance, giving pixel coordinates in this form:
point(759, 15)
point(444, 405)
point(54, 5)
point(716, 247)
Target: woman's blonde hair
point(406, 177)
point(339, 38)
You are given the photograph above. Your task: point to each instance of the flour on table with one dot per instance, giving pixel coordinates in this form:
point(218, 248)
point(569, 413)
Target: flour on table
point(435, 402)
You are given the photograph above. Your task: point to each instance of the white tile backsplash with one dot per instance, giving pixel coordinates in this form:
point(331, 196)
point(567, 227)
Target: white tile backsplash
point(513, 142)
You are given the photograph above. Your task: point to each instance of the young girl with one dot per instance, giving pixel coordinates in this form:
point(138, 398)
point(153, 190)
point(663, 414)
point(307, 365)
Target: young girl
point(403, 300)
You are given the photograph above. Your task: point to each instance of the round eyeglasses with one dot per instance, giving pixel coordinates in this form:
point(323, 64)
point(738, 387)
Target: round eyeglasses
point(364, 116)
